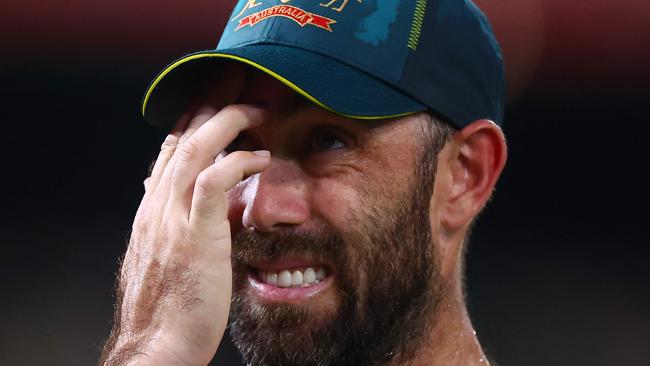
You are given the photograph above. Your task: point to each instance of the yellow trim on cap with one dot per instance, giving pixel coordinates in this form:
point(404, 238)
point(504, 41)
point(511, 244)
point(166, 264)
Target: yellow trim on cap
point(259, 67)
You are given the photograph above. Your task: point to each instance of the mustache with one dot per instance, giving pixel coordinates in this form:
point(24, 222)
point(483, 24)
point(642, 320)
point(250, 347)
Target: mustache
point(323, 245)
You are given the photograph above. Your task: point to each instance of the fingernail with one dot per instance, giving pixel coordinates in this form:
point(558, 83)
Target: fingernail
point(264, 153)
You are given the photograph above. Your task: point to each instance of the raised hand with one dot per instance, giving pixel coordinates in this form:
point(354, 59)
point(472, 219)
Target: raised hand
point(175, 283)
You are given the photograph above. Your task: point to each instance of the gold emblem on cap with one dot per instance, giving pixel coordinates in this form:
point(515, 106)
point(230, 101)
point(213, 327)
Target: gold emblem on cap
point(344, 3)
point(250, 4)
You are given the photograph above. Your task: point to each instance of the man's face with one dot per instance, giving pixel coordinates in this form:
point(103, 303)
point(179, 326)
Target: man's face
point(332, 255)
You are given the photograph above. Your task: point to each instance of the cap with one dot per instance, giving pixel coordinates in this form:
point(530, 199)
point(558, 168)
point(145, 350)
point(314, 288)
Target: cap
point(363, 59)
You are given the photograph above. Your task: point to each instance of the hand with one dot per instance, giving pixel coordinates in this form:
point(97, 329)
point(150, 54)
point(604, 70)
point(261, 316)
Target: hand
point(175, 283)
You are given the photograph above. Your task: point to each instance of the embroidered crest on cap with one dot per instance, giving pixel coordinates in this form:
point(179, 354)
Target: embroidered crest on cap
point(296, 14)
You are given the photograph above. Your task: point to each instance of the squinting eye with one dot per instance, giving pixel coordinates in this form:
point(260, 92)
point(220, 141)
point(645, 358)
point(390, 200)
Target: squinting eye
point(325, 140)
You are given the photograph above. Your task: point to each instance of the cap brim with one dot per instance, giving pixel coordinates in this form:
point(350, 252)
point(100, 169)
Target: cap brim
point(331, 84)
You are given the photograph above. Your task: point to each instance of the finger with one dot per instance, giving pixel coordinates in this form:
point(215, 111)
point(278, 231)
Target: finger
point(204, 107)
point(199, 150)
point(147, 183)
point(222, 91)
point(209, 202)
point(166, 152)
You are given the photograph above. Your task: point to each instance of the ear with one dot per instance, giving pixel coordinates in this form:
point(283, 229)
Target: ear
point(475, 162)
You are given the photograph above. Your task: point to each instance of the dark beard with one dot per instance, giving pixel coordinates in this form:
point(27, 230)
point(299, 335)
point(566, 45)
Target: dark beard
point(387, 282)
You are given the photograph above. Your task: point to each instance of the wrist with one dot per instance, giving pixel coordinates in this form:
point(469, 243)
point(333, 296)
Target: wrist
point(142, 352)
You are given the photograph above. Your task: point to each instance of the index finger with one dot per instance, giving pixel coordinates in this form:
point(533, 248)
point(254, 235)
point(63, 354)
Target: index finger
point(204, 106)
point(200, 149)
point(219, 91)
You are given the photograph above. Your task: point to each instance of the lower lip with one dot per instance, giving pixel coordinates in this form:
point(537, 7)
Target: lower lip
point(288, 294)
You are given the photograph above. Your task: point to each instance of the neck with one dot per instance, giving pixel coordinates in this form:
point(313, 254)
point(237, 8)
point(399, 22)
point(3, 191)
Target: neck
point(451, 340)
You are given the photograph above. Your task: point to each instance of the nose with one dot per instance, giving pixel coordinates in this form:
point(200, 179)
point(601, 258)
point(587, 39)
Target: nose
point(276, 198)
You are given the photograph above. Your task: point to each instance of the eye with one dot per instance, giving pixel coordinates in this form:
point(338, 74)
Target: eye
point(322, 139)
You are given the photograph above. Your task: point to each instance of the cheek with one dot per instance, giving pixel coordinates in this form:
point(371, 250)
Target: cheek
point(236, 205)
point(333, 201)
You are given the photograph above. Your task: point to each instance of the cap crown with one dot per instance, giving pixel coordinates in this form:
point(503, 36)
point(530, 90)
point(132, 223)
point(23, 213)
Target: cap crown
point(441, 53)
point(370, 35)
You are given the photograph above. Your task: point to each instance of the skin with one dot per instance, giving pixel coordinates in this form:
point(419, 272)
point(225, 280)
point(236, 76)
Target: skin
point(175, 283)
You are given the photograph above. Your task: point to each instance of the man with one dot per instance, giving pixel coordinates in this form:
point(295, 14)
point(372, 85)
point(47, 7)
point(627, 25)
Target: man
point(319, 185)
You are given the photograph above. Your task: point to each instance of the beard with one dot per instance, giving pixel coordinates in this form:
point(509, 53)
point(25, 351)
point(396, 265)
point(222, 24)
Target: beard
point(386, 283)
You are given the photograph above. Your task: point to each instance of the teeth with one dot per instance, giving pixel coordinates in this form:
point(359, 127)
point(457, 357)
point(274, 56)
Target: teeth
point(309, 276)
point(272, 278)
point(296, 278)
point(284, 279)
point(320, 274)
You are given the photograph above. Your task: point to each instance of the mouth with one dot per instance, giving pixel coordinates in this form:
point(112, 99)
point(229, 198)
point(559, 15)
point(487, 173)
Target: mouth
point(292, 281)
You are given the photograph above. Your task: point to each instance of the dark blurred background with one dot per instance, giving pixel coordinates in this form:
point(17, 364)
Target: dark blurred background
point(558, 269)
